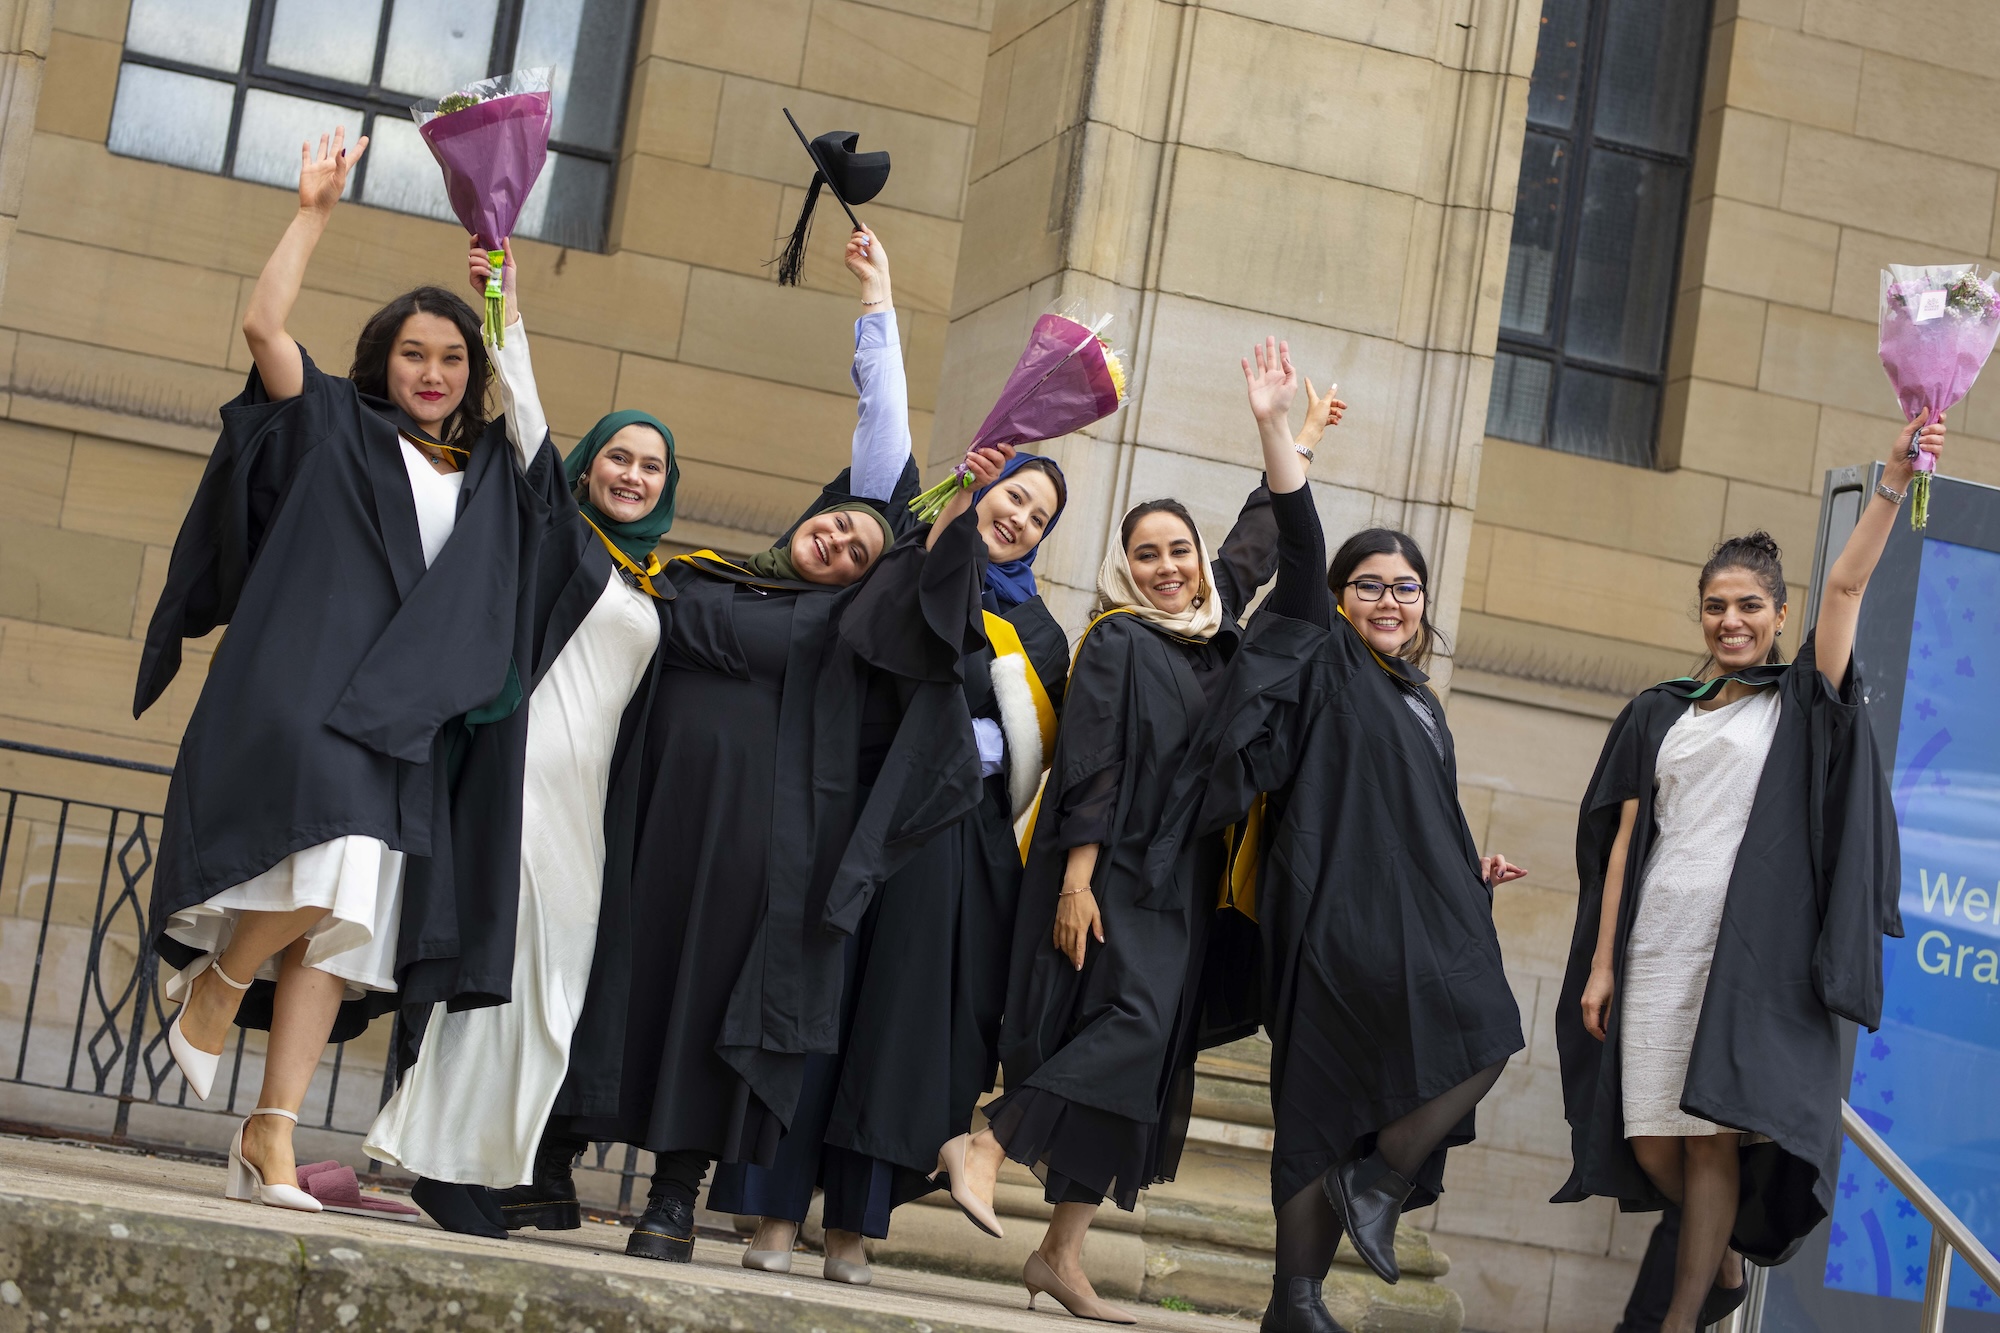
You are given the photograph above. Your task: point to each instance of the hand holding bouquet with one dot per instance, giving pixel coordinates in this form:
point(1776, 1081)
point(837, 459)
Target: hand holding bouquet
point(1938, 325)
point(491, 139)
point(1067, 378)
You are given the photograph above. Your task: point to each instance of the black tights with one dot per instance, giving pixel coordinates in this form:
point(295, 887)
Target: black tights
point(678, 1174)
point(1309, 1230)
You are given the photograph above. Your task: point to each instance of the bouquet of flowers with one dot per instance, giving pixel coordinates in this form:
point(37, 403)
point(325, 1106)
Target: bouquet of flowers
point(1937, 328)
point(1067, 378)
point(491, 139)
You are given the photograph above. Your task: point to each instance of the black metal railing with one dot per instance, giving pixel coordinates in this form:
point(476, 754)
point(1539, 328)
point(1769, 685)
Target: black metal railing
point(88, 1028)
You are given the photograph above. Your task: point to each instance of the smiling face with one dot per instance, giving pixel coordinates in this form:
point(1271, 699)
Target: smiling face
point(1165, 562)
point(1016, 512)
point(1386, 625)
point(1739, 619)
point(628, 473)
point(428, 370)
point(836, 548)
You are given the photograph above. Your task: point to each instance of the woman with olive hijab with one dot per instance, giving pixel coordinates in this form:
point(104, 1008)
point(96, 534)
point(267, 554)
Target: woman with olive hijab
point(474, 1106)
point(803, 738)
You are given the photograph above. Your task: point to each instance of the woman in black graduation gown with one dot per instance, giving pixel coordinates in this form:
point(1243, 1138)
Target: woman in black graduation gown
point(807, 732)
point(1738, 866)
point(1102, 1013)
point(928, 966)
point(364, 540)
point(1388, 1012)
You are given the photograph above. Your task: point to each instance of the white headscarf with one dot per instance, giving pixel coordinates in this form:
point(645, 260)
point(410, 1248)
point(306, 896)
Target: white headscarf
point(1118, 591)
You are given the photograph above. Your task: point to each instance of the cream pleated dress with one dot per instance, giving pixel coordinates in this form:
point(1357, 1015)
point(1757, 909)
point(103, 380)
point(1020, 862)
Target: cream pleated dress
point(1706, 779)
point(472, 1108)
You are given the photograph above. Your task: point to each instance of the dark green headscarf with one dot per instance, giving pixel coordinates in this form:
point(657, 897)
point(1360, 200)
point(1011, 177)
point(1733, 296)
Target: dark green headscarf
point(637, 538)
point(776, 563)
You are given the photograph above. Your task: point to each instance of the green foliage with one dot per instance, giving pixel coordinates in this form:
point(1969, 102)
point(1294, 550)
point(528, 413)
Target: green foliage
point(1178, 1304)
point(456, 102)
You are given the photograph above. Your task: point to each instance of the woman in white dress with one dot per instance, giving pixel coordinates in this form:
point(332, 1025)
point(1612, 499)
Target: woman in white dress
point(1738, 870)
point(353, 534)
point(472, 1109)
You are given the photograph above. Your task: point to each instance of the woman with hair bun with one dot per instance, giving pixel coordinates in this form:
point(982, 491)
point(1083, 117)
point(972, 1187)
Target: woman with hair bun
point(1383, 994)
point(1737, 860)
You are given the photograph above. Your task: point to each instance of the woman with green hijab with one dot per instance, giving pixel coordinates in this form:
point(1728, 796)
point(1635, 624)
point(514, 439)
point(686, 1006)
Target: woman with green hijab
point(469, 1114)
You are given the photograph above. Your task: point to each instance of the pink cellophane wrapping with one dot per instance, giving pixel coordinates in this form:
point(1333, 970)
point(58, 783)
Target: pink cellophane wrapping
point(491, 153)
point(1937, 325)
point(1060, 384)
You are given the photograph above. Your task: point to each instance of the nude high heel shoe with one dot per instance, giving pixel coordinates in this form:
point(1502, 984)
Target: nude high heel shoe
point(1038, 1277)
point(246, 1182)
point(951, 1166)
point(198, 1066)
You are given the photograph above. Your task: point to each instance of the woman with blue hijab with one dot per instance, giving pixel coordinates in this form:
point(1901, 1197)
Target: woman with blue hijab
point(878, 1124)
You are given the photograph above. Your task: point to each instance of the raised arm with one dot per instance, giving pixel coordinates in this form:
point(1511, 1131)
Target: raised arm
point(882, 421)
point(1272, 383)
point(1840, 608)
point(527, 427)
point(322, 176)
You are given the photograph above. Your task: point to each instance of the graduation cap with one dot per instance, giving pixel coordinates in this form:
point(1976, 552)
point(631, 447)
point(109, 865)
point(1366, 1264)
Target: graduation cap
point(854, 178)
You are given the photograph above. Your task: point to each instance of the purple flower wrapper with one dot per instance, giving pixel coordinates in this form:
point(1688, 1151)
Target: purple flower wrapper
point(1937, 327)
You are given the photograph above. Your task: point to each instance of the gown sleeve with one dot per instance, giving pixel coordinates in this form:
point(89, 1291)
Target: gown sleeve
point(1301, 559)
point(262, 445)
point(514, 367)
point(1249, 554)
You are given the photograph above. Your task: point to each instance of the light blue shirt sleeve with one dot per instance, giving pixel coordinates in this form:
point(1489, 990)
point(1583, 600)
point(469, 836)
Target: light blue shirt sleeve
point(992, 745)
point(882, 421)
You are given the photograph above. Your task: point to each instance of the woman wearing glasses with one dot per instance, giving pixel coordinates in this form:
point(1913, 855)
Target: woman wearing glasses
point(1388, 1011)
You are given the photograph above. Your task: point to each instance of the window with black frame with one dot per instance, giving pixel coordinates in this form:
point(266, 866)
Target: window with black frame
point(235, 86)
point(1612, 114)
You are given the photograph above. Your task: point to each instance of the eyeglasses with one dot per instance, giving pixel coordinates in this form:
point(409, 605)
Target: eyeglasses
point(1406, 592)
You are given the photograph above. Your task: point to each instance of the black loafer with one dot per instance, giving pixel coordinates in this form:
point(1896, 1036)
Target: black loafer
point(1368, 1197)
point(665, 1232)
point(1722, 1302)
point(1297, 1306)
point(548, 1203)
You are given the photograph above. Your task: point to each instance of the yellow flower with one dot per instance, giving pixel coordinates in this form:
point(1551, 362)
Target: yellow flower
point(1116, 367)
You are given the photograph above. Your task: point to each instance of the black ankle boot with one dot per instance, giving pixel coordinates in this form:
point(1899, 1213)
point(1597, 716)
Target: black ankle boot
point(549, 1202)
point(665, 1232)
point(458, 1207)
point(1297, 1306)
point(1368, 1197)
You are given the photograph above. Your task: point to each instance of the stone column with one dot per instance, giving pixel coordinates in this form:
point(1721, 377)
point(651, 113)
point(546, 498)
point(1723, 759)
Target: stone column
point(24, 45)
point(1339, 172)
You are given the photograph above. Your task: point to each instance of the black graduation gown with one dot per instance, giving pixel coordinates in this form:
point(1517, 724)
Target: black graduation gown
point(325, 709)
point(763, 839)
point(1100, 1062)
point(1814, 889)
point(1382, 981)
point(924, 1039)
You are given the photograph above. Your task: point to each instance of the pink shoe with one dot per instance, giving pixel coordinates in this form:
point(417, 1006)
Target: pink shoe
point(339, 1191)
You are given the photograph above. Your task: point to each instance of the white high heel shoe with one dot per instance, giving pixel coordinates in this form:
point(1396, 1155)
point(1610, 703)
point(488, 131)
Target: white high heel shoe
point(198, 1066)
point(246, 1182)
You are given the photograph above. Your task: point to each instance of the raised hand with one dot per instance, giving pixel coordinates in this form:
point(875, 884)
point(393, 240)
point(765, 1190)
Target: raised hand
point(1320, 413)
point(985, 463)
point(869, 261)
point(478, 271)
point(323, 172)
point(1896, 469)
point(1272, 382)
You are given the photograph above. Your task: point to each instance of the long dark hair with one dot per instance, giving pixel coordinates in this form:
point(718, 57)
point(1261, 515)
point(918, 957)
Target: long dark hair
point(1757, 554)
point(1139, 511)
point(377, 344)
point(1387, 541)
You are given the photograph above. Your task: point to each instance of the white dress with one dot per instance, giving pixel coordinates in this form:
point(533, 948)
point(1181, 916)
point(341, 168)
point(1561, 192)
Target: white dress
point(359, 880)
point(1706, 779)
point(472, 1108)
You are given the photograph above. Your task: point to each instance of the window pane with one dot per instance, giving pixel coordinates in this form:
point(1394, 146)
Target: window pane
point(435, 47)
point(1558, 78)
point(1604, 416)
point(1528, 307)
point(401, 172)
point(588, 42)
point(1622, 276)
point(172, 118)
point(334, 39)
point(1519, 405)
point(1651, 64)
point(267, 146)
point(199, 32)
point(568, 203)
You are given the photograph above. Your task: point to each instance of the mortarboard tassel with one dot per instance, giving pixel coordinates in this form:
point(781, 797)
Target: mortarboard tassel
point(794, 257)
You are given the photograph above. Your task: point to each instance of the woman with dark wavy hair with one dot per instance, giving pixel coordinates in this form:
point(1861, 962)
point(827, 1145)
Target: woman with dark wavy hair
point(1737, 865)
point(363, 540)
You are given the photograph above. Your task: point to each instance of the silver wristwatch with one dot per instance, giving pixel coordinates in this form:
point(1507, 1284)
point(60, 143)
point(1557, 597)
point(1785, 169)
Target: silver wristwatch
point(1893, 497)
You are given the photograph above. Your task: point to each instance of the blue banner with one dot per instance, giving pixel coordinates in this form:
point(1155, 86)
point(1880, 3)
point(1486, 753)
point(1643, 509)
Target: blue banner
point(1929, 1081)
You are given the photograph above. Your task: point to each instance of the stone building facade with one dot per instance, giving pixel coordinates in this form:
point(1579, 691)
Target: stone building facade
point(1341, 172)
